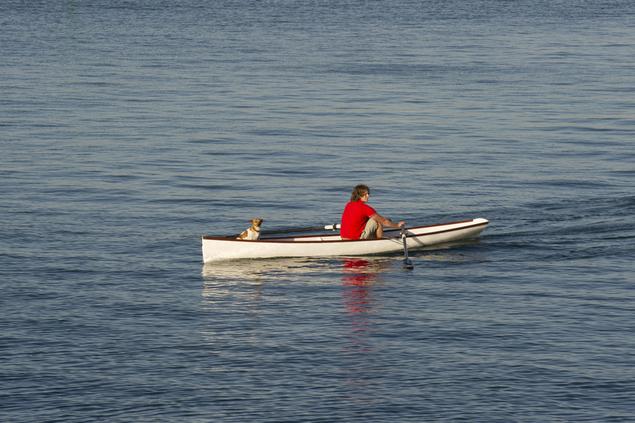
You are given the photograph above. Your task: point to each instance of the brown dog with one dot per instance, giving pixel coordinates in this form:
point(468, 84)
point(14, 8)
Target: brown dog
point(253, 232)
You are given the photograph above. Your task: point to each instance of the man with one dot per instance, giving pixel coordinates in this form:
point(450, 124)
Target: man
point(361, 221)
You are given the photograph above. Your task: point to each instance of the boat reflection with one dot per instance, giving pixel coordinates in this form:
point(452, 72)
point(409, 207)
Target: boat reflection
point(247, 270)
point(229, 278)
point(357, 274)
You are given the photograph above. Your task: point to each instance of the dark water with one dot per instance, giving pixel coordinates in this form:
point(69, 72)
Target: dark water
point(130, 128)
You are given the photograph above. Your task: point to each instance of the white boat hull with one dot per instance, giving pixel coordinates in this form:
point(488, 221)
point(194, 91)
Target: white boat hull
point(229, 248)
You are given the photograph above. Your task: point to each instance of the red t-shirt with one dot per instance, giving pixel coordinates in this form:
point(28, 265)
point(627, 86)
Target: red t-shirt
point(354, 218)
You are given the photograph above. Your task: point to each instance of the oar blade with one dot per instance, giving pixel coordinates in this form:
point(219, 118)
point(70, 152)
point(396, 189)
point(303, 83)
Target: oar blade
point(407, 263)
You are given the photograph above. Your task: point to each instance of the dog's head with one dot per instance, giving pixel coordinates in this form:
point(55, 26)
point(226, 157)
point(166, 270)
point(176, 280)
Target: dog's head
point(257, 222)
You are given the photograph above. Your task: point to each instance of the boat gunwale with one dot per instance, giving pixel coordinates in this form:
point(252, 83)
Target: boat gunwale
point(297, 240)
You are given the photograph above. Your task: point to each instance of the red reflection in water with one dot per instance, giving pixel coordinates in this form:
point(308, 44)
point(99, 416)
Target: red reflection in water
point(358, 277)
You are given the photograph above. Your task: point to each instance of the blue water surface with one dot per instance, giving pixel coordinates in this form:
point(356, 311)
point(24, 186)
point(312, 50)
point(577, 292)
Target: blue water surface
point(128, 129)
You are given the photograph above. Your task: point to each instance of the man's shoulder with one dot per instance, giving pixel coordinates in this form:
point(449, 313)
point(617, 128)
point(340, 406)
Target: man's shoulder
point(369, 208)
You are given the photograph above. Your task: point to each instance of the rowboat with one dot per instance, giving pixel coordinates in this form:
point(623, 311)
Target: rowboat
point(220, 248)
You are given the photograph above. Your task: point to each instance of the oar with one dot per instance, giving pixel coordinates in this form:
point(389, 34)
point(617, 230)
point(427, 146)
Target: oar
point(333, 227)
point(407, 263)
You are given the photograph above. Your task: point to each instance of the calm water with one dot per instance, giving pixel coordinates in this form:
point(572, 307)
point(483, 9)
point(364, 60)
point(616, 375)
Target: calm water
point(130, 128)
